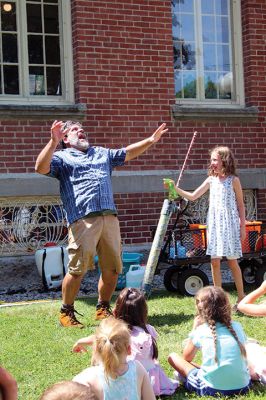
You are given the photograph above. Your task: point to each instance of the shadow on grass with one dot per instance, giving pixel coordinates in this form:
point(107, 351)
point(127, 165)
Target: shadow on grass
point(259, 389)
point(154, 295)
point(159, 319)
point(170, 319)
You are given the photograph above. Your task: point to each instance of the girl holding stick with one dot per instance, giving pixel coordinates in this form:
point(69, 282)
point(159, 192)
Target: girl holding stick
point(226, 215)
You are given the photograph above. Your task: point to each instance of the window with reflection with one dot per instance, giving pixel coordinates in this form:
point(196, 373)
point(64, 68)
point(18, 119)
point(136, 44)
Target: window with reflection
point(34, 44)
point(204, 50)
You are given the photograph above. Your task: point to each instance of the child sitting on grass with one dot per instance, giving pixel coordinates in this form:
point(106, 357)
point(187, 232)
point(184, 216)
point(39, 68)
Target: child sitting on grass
point(247, 305)
point(8, 386)
point(256, 354)
point(224, 369)
point(68, 390)
point(114, 377)
point(131, 307)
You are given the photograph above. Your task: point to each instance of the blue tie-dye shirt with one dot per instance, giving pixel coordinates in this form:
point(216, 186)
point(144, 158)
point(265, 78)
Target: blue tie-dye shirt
point(85, 179)
point(124, 387)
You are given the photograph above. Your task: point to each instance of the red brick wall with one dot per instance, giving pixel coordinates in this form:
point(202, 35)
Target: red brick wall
point(253, 144)
point(138, 215)
point(124, 73)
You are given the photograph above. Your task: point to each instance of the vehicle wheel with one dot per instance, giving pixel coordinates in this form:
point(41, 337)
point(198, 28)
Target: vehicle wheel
point(248, 272)
point(171, 277)
point(260, 275)
point(191, 280)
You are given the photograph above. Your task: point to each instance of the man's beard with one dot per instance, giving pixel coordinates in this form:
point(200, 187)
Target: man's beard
point(78, 144)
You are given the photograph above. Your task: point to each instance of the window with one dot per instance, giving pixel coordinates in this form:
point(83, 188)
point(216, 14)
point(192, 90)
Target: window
point(207, 52)
point(35, 52)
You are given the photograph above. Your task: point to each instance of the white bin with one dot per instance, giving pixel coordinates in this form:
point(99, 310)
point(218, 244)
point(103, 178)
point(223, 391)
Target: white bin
point(52, 264)
point(134, 276)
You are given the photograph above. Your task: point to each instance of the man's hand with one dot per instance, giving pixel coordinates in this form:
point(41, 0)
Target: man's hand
point(57, 132)
point(156, 136)
point(43, 161)
point(136, 149)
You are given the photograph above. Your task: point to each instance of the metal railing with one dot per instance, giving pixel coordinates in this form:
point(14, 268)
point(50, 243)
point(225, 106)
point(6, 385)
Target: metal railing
point(28, 223)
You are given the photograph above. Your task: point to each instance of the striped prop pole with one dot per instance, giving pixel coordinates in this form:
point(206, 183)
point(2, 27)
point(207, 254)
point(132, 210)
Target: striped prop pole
point(166, 212)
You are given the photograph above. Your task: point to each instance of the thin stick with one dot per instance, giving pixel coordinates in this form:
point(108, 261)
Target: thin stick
point(184, 163)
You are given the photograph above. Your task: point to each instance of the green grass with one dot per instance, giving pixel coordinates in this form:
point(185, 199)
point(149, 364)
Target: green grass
point(38, 352)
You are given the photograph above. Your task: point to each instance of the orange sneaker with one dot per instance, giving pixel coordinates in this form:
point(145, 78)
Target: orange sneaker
point(68, 319)
point(103, 311)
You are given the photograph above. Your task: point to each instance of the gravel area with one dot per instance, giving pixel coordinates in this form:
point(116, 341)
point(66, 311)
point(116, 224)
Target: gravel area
point(20, 280)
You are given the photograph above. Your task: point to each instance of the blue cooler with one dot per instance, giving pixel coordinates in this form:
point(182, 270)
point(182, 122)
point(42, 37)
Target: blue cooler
point(127, 259)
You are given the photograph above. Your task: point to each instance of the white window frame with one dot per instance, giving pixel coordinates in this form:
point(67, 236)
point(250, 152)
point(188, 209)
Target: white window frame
point(67, 81)
point(237, 62)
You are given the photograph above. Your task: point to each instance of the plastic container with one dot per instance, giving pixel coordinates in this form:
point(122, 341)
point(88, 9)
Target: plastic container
point(128, 259)
point(253, 230)
point(134, 276)
point(181, 251)
point(173, 251)
point(52, 264)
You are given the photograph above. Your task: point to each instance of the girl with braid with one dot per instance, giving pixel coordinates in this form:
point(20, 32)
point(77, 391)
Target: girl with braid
point(224, 369)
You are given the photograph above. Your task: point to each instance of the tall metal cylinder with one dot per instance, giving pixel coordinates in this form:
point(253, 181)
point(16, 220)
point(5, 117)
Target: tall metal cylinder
point(166, 212)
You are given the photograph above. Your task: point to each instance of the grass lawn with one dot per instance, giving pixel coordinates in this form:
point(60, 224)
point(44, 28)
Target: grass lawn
point(38, 352)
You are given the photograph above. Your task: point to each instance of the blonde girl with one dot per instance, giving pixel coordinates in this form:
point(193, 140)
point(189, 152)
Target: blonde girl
point(115, 377)
point(224, 368)
point(226, 215)
point(131, 307)
point(67, 390)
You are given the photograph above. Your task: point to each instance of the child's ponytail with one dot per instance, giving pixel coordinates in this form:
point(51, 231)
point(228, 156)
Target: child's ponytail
point(111, 344)
point(131, 307)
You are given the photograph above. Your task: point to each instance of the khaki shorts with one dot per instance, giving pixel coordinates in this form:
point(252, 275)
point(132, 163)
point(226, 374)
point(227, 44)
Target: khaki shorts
point(94, 235)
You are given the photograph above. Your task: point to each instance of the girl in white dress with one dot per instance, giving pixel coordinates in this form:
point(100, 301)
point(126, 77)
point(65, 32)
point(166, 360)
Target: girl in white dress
point(226, 215)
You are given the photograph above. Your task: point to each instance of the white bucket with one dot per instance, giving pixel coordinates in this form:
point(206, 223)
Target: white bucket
point(52, 264)
point(134, 276)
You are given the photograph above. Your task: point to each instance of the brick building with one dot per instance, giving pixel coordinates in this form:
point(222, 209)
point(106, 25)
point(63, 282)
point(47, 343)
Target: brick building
point(122, 67)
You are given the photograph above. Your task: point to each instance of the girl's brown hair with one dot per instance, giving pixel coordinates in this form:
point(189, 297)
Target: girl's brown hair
point(131, 307)
point(213, 306)
point(112, 340)
point(228, 161)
